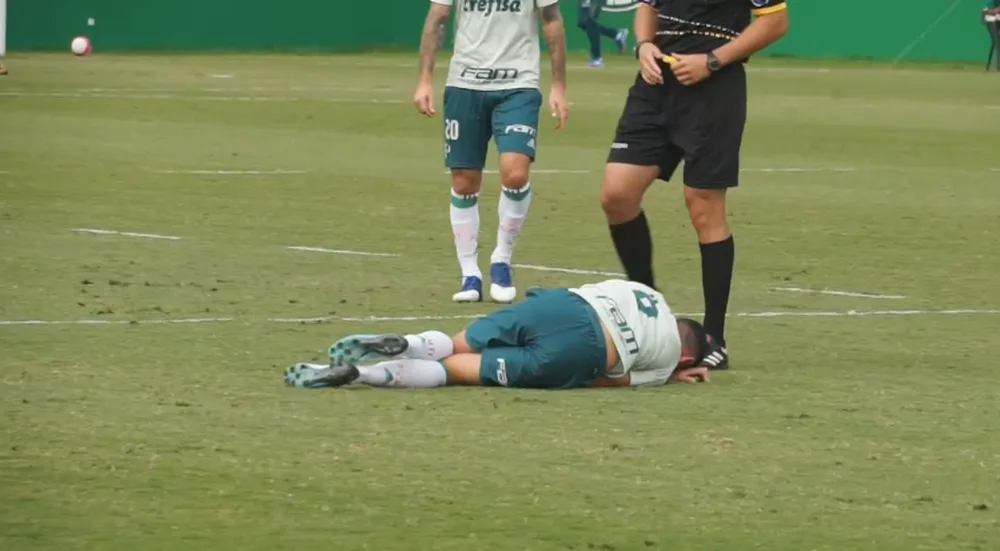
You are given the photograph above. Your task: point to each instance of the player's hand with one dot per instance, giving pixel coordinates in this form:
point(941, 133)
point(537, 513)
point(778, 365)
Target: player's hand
point(690, 375)
point(424, 99)
point(649, 63)
point(559, 106)
point(690, 69)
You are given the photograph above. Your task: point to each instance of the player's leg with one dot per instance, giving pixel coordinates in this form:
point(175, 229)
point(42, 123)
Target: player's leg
point(515, 129)
point(588, 24)
point(466, 134)
point(456, 370)
point(402, 372)
point(620, 36)
point(711, 133)
point(366, 348)
point(640, 154)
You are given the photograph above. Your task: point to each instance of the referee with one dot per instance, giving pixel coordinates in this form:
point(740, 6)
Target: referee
point(688, 103)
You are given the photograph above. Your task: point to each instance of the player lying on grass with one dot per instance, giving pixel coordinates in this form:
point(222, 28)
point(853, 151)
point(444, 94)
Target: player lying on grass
point(613, 333)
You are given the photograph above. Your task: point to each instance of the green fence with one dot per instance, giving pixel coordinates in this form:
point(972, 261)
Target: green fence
point(925, 30)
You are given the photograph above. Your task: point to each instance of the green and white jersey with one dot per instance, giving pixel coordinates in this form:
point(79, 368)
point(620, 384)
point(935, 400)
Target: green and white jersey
point(496, 44)
point(642, 326)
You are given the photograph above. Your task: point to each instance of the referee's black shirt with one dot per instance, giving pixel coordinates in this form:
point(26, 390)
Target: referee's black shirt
point(700, 26)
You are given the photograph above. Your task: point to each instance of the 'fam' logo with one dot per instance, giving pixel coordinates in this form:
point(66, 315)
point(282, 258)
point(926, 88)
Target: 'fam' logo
point(615, 6)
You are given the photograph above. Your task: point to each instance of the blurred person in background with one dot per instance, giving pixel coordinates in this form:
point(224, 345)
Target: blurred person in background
point(588, 11)
point(991, 17)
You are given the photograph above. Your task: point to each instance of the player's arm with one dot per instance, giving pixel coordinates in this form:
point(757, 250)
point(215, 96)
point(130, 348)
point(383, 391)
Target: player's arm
point(555, 37)
point(769, 25)
point(654, 377)
point(431, 37)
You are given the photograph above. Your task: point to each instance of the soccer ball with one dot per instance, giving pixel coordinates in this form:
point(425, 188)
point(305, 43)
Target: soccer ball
point(80, 45)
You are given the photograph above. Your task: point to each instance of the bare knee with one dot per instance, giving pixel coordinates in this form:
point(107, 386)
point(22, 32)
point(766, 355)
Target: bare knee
point(515, 170)
point(623, 189)
point(461, 345)
point(707, 208)
point(466, 182)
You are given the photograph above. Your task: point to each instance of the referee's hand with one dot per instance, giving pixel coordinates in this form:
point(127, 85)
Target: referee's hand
point(649, 63)
point(690, 69)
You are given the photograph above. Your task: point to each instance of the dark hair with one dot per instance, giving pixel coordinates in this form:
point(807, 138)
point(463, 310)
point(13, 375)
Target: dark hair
point(694, 338)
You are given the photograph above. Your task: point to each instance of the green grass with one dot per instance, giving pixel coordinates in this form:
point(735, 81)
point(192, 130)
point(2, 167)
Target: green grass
point(831, 433)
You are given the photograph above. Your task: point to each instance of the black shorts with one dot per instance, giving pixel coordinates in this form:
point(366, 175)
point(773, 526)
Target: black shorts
point(701, 124)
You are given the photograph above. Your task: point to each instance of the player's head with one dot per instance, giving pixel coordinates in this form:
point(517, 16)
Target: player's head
point(694, 342)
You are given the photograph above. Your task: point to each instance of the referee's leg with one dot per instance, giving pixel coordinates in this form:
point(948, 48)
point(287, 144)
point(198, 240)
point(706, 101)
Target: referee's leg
point(712, 138)
point(640, 154)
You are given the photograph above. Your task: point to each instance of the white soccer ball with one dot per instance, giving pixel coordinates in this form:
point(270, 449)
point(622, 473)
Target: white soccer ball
point(80, 45)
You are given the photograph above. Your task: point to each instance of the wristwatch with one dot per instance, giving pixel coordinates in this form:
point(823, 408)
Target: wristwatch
point(713, 62)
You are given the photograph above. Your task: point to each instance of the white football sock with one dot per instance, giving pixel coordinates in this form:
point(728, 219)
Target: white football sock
point(513, 209)
point(409, 373)
point(429, 345)
point(465, 227)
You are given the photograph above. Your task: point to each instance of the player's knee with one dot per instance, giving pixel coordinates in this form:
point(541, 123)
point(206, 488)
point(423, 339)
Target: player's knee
point(466, 182)
point(514, 178)
point(515, 170)
point(461, 346)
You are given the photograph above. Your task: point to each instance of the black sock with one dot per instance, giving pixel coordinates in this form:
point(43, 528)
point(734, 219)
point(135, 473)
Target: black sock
point(634, 245)
point(716, 279)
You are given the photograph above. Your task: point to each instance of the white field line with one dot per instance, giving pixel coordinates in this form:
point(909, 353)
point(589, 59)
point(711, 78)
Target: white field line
point(538, 268)
point(186, 95)
point(127, 234)
point(213, 90)
point(231, 172)
point(181, 97)
point(392, 319)
point(339, 251)
point(800, 169)
point(534, 267)
point(541, 171)
point(832, 292)
point(792, 169)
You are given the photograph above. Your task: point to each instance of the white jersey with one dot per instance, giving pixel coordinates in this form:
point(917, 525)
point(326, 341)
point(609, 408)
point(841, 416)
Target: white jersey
point(496, 44)
point(642, 326)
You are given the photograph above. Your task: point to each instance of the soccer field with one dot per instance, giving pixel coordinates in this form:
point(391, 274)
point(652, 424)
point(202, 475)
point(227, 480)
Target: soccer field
point(266, 205)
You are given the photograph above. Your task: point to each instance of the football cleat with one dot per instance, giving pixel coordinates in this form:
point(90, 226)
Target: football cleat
point(502, 288)
point(596, 63)
point(717, 358)
point(306, 375)
point(361, 349)
point(621, 39)
point(472, 290)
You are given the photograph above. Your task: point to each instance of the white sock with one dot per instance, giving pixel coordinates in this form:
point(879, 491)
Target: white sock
point(513, 209)
point(465, 227)
point(409, 373)
point(429, 345)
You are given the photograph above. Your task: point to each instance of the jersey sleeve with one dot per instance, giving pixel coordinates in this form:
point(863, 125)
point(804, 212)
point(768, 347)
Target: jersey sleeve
point(651, 377)
point(545, 3)
point(442, 2)
point(765, 7)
